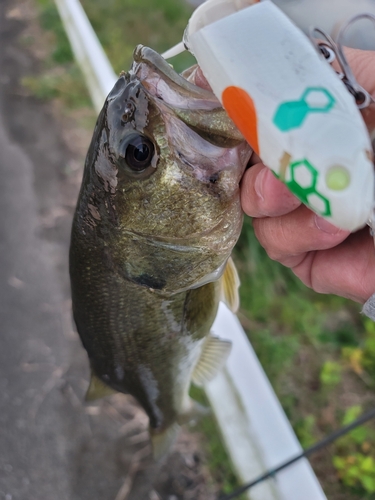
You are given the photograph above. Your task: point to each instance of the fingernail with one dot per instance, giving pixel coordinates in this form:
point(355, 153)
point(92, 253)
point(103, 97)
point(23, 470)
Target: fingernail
point(326, 226)
point(259, 183)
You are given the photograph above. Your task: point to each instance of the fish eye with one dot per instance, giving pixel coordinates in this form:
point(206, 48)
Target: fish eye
point(139, 153)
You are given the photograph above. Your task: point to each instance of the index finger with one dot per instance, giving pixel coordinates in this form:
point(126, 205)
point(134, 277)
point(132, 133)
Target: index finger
point(362, 63)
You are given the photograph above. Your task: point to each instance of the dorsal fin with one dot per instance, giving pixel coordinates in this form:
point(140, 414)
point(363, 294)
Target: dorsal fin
point(230, 283)
point(97, 389)
point(213, 357)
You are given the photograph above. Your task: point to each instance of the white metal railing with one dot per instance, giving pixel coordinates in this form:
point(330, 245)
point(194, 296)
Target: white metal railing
point(256, 432)
point(87, 50)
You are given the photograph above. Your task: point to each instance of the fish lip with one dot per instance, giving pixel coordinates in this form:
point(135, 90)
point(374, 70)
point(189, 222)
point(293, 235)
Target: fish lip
point(143, 54)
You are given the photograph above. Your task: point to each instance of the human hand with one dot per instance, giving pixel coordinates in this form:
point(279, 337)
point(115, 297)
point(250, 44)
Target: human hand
point(325, 258)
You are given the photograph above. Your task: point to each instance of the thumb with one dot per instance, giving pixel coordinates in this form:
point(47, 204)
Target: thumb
point(362, 63)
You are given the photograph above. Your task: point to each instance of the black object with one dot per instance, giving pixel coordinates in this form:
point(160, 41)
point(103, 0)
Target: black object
point(309, 451)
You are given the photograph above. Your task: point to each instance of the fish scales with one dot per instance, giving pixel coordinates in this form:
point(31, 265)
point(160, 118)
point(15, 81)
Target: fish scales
point(157, 217)
point(140, 330)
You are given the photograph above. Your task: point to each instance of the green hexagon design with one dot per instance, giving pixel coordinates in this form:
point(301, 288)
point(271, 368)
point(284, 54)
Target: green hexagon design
point(319, 203)
point(304, 192)
point(292, 114)
point(304, 175)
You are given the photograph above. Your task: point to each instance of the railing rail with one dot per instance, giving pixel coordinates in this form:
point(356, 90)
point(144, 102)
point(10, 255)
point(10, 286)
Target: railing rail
point(256, 432)
point(88, 52)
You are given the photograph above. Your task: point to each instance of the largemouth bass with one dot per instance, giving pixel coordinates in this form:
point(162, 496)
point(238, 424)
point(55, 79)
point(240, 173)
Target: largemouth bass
point(157, 217)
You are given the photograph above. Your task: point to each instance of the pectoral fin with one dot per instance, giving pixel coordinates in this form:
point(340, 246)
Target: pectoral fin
point(214, 355)
point(97, 389)
point(230, 283)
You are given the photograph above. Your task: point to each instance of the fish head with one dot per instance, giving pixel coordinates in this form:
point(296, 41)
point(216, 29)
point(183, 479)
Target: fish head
point(164, 169)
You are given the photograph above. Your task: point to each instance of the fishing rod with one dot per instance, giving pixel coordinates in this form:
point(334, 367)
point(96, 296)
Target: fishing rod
point(309, 451)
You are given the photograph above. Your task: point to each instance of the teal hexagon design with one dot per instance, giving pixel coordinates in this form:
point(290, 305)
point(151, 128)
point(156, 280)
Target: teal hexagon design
point(329, 99)
point(292, 114)
point(304, 192)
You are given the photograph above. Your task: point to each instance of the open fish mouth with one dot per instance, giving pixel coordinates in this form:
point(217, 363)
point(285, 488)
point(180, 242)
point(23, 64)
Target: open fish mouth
point(197, 107)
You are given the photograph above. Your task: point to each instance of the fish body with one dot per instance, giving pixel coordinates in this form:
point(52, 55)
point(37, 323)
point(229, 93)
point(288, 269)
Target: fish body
point(156, 220)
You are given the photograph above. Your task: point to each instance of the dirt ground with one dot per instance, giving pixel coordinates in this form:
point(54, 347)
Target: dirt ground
point(52, 445)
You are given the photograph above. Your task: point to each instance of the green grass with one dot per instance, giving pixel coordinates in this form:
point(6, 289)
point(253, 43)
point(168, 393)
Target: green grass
point(120, 26)
point(123, 24)
point(60, 76)
point(314, 349)
point(61, 52)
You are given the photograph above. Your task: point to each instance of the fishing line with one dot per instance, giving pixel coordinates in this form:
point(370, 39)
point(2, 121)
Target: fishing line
point(309, 451)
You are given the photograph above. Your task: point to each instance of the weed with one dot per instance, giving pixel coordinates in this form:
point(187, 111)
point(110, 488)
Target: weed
point(61, 77)
point(305, 430)
point(354, 358)
point(331, 373)
point(50, 21)
point(355, 462)
point(368, 358)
